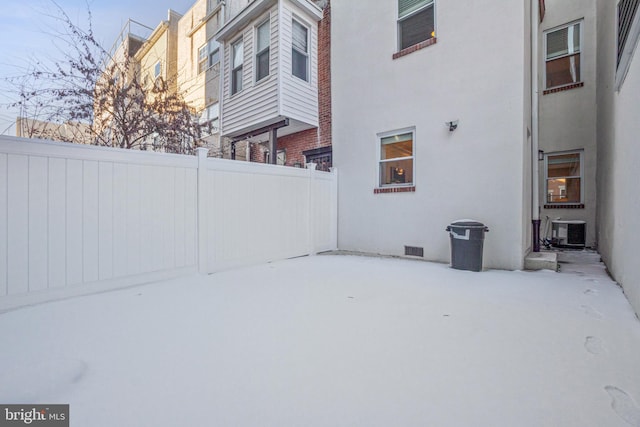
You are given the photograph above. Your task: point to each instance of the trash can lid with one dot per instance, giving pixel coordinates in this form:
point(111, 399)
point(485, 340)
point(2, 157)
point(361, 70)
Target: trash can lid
point(467, 223)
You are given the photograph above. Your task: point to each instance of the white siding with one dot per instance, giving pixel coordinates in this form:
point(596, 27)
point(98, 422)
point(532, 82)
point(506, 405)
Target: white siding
point(257, 102)
point(299, 98)
point(281, 94)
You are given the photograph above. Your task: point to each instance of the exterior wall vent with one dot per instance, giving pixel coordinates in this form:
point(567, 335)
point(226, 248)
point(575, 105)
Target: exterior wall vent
point(414, 251)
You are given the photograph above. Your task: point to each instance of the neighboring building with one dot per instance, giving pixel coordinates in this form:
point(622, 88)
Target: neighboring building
point(567, 121)
point(618, 130)
point(198, 71)
point(157, 58)
point(120, 69)
point(275, 91)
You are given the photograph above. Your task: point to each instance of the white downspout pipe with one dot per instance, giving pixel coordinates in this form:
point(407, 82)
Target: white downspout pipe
point(535, 190)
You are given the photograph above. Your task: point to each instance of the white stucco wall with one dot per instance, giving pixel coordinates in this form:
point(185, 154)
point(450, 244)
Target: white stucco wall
point(618, 160)
point(474, 73)
point(568, 118)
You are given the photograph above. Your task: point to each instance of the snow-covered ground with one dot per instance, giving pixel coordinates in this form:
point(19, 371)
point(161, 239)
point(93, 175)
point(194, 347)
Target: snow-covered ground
point(335, 340)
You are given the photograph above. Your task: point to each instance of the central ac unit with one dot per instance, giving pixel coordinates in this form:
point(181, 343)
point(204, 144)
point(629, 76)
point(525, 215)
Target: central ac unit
point(568, 234)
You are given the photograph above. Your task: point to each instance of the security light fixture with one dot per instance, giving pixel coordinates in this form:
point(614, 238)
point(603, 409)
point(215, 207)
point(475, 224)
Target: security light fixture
point(541, 155)
point(453, 125)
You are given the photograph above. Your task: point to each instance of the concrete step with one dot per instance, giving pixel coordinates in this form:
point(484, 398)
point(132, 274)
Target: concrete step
point(541, 261)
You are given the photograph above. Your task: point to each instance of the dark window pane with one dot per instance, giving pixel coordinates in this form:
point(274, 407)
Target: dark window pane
point(563, 71)
point(299, 62)
point(262, 65)
point(416, 28)
point(236, 80)
point(396, 172)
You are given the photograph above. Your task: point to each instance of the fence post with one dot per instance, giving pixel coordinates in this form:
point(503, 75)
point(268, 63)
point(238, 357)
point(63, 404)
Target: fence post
point(311, 167)
point(202, 214)
point(334, 207)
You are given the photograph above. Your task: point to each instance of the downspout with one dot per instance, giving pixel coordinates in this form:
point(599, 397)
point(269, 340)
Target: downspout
point(535, 190)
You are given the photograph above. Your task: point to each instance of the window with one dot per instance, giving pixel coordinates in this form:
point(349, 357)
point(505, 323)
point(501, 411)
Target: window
point(208, 55)
point(211, 117)
point(214, 52)
point(237, 59)
point(322, 157)
point(202, 59)
point(300, 51)
point(157, 69)
point(562, 65)
point(263, 34)
point(564, 177)
point(396, 158)
point(628, 33)
point(416, 22)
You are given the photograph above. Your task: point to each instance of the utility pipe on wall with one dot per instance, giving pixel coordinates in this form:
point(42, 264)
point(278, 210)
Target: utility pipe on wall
point(535, 191)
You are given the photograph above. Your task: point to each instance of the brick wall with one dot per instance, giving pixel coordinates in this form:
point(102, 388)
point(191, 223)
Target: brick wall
point(295, 144)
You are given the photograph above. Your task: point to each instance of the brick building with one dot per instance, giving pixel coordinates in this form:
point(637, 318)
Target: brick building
point(276, 81)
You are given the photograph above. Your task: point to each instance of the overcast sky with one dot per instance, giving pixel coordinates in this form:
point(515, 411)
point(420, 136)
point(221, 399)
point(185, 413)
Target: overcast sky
point(24, 25)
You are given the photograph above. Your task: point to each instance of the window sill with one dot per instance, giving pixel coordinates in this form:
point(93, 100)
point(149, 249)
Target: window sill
point(415, 47)
point(565, 206)
point(381, 190)
point(563, 88)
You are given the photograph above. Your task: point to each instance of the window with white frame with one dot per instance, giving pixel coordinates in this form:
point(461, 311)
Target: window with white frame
point(157, 69)
point(564, 181)
point(396, 158)
point(263, 36)
point(208, 55)
point(237, 61)
point(211, 117)
point(416, 22)
point(213, 47)
point(562, 59)
point(300, 51)
point(628, 32)
point(203, 54)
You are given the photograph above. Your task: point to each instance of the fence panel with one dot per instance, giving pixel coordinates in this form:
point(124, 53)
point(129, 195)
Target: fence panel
point(79, 219)
point(254, 213)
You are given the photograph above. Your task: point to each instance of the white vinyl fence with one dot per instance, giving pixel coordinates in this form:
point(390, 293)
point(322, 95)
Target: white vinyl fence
point(78, 219)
